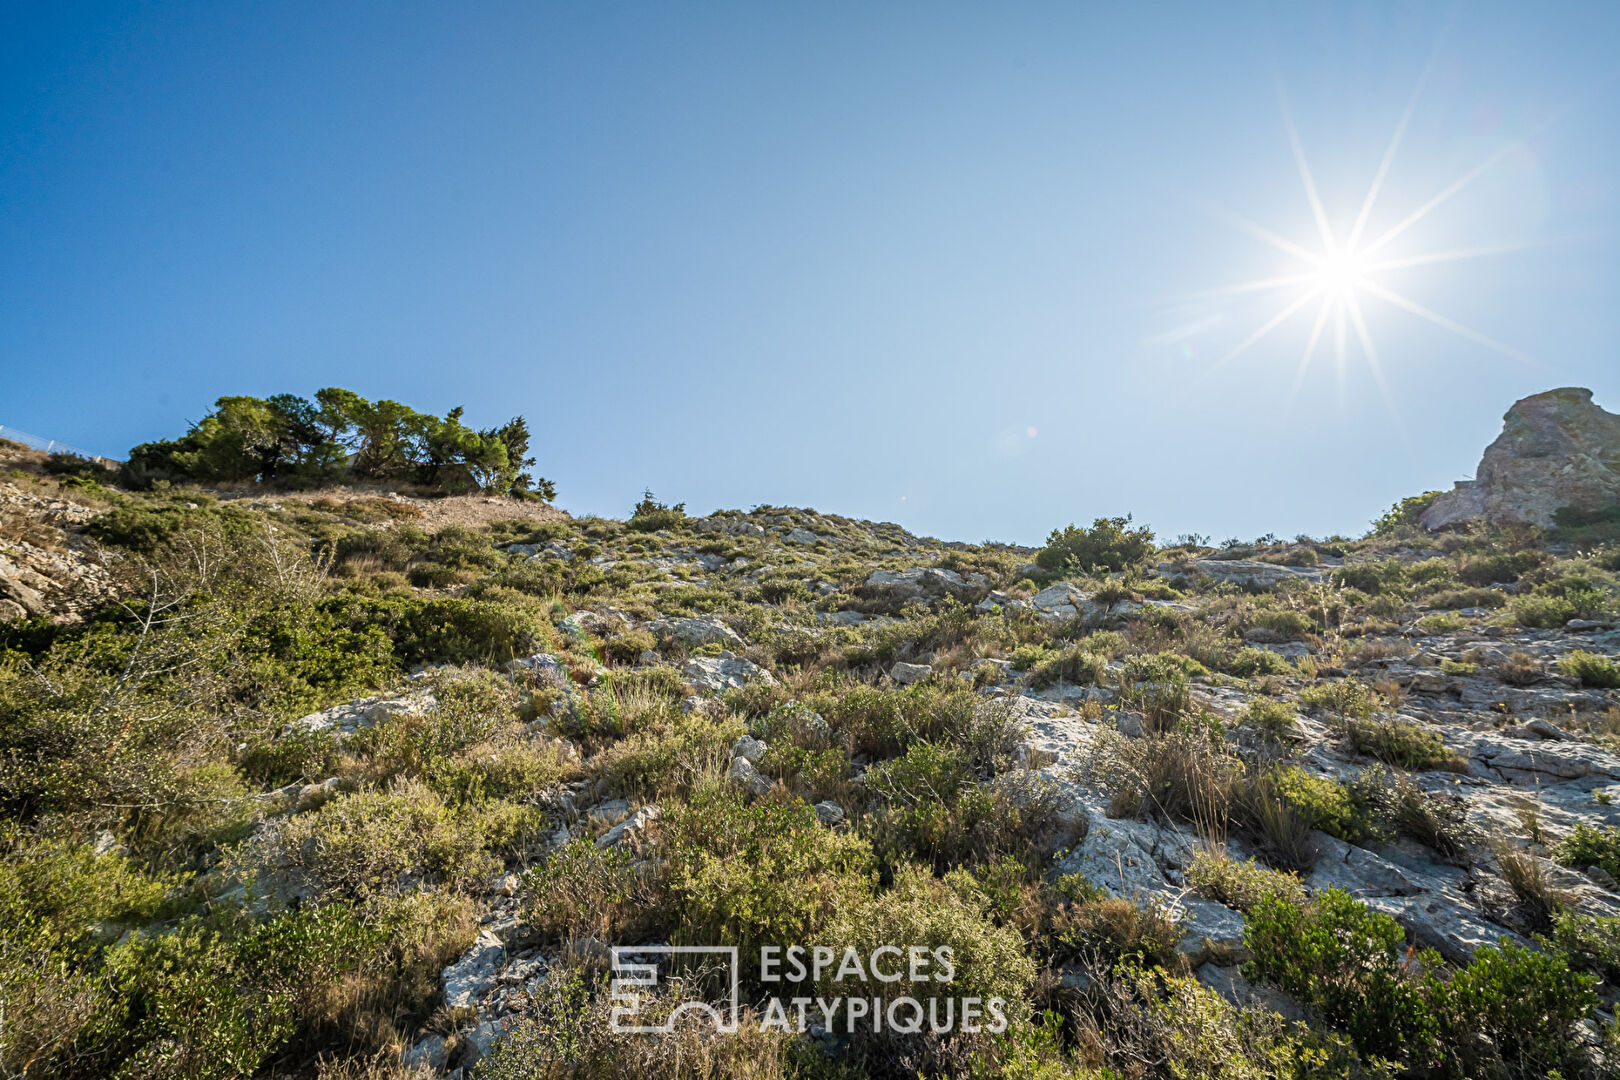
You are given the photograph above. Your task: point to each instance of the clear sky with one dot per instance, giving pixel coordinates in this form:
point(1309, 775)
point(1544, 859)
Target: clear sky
point(946, 265)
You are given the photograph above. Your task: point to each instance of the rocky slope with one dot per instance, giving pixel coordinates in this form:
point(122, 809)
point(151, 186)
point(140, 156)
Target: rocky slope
point(1435, 719)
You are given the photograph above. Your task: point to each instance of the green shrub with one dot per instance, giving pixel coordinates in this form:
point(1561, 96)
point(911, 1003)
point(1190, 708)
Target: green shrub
point(1374, 577)
point(1274, 720)
point(1441, 622)
point(651, 515)
point(659, 764)
point(1286, 625)
point(1327, 804)
point(1346, 697)
point(1591, 669)
point(936, 809)
point(918, 909)
point(1589, 942)
point(1499, 567)
point(1072, 665)
point(1110, 544)
point(583, 890)
point(1524, 1006)
point(1349, 964)
point(1591, 845)
point(1249, 662)
point(1542, 612)
point(1403, 743)
point(1466, 598)
point(758, 873)
point(1241, 884)
point(375, 843)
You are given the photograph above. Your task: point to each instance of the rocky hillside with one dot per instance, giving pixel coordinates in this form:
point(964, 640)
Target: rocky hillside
point(336, 789)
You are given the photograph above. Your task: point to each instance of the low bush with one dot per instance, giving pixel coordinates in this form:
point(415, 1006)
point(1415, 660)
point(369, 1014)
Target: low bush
point(586, 891)
point(1274, 720)
point(1241, 884)
point(1589, 942)
point(1403, 743)
point(381, 843)
point(758, 873)
point(1348, 963)
point(1346, 698)
point(1591, 669)
point(1397, 803)
point(1327, 804)
point(1110, 544)
point(1072, 665)
point(1591, 845)
point(1249, 662)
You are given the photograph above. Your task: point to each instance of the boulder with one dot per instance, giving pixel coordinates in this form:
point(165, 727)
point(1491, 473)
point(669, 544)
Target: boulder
point(829, 813)
point(744, 773)
point(750, 748)
point(1557, 449)
point(695, 632)
point(906, 674)
point(628, 828)
point(712, 674)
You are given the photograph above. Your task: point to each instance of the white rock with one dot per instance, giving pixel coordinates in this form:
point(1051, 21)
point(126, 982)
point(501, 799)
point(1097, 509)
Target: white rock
point(693, 632)
point(469, 977)
point(750, 748)
point(629, 827)
point(712, 674)
point(829, 813)
point(906, 674)
point(744, 773)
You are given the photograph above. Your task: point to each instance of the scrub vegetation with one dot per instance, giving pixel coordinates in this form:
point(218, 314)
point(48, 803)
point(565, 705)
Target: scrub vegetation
point(311, 791)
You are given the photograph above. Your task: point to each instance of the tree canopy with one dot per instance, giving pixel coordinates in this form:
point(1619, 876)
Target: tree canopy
point(340, 437)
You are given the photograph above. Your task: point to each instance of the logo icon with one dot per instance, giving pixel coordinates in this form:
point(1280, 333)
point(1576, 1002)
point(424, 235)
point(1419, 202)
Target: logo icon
point(635, 973)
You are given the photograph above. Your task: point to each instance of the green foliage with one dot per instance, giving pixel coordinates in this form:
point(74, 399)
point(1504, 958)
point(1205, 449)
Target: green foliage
point(1523, 1004)
point(1241, 884)
point(1404, 743)
point(1274, 720)
point(1346, 962)
point(373, 843)
point(758, 873)
point(1591, 845)
point(918, 909)
point(1589, 943)
point(1591, 669)
point(1327, 804)
point(1250, 662)
point(1374, 577)
point(1347, 698)
point(583, 890)
point(937, 810)
point(288, 440)
point(1072, 665)
point(1110, 544)
point(1403, 516)
point(650, 515)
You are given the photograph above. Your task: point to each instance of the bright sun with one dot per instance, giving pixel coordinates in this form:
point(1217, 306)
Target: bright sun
point(1341, 273)
point(1341, 268)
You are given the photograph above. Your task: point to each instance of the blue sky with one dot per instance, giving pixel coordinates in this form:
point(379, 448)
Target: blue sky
point(946, 265)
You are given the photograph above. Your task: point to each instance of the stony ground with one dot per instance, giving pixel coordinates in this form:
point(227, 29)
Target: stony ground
point(745, 613)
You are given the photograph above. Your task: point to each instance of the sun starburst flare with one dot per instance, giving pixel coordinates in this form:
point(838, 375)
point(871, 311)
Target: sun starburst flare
point(1339, 270)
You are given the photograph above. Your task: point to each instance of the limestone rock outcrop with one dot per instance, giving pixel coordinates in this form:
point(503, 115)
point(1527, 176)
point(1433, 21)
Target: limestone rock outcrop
point(1557, 449)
